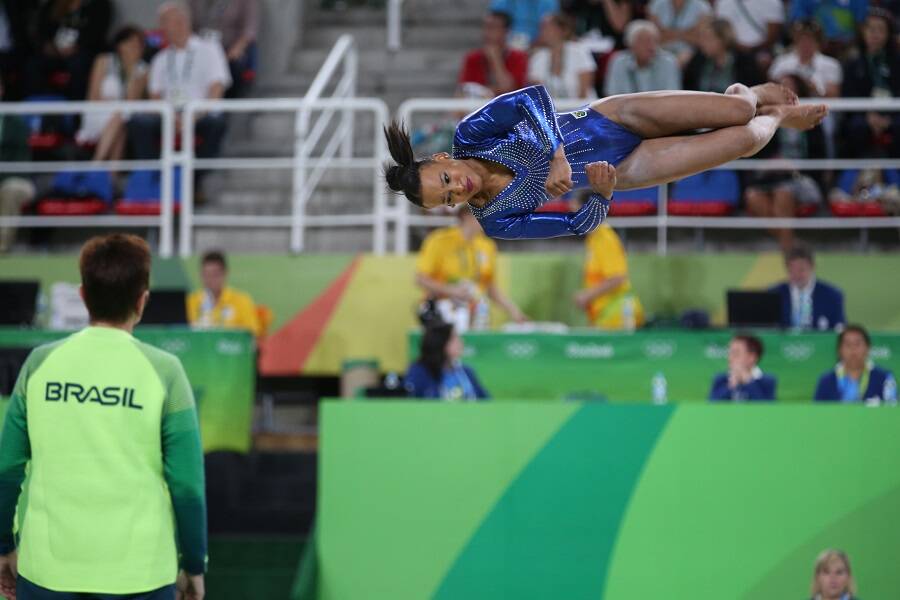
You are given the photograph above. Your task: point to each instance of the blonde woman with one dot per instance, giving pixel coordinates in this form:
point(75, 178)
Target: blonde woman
point(833, 579)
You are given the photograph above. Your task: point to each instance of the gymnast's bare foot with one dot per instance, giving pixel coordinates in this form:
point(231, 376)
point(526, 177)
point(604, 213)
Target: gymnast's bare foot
point(802, 116)
point(768, 94)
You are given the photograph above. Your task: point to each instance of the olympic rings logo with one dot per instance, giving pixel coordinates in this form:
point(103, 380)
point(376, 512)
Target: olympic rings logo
point(521, 349)
point(797, 351)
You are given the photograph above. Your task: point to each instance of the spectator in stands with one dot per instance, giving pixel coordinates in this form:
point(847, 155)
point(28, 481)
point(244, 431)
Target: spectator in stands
point(494, 68)
point(562, 64)
point(757, 26)
point(679, 23)
point(117, 75)
point(855, 378)
point(235, 25)
point(719, 63)
point(15, 191)
point(832, 579)
point(644, 67)
point(807, 302)
point(189, 68)
point(459, 265)
point(785, 194)
point(838, 20)
point(69, 34)
point(15, 20)
point(607, 296)
point(526, 16)
point(600, 23)
point(217, 304)
point(744, 380)
point(439, 373)
point(873, 74)
point(806, 59)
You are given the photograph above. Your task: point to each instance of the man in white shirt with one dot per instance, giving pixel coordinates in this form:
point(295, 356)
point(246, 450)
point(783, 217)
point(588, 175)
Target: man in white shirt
point(190, 68)
point(757, 23)
point(806, 60)
point(644, 67)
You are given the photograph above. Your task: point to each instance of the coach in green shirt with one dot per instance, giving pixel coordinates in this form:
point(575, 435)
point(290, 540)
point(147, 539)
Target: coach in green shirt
point(102, 429)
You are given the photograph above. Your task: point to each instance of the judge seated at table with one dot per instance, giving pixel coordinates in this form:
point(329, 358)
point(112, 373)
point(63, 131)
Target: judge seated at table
point(218, 305)
point(855, 378)
point(808, 302)
point(744, 381)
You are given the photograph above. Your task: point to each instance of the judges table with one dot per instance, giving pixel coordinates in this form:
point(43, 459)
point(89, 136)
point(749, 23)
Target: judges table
point(622, 366)
point(220, 365)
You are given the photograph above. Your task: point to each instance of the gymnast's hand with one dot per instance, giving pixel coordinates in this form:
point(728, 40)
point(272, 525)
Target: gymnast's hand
point(559, 181)
point(602, 177)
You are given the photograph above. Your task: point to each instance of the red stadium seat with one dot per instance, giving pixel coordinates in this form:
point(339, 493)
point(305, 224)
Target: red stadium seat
point(689, 208)
point(555, 206)
point(857, 209)
point(140, 208)
point(806, 209)
point(70, 207)
point(632, 208)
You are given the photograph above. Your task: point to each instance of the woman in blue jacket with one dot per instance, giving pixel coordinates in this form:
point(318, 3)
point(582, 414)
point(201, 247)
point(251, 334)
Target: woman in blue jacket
point(439, 373)
point(516, 153)
point(856, 378)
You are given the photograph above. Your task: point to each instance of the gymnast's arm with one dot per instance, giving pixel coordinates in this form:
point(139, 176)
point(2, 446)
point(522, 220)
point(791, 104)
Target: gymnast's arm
point(533, 226)
point(496, 119)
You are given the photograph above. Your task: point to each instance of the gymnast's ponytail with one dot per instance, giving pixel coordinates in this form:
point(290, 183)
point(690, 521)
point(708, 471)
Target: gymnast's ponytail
point(403, 176)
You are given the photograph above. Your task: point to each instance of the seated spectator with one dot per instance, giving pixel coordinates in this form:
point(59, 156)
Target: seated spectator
point(855, 378)
point(69, 34)
point(744, 380)
point(757, 26)
point(235, 26)
point(218, 305)
point(458, 265)
point(600, 23)
point(15, 191)
point(607, 295)
point(806, 60)
point(832, 579)
point(525, 18)
point(439, 373)
point(188, 69)
point(117, 75)
point(679, 24)
point(644, 67)
point(562, 64)
point(15, 42)
point(838, 20)
point(719, 63)
point(873, 74)
point(494, 68)
point(780, 194)
point(807, 302)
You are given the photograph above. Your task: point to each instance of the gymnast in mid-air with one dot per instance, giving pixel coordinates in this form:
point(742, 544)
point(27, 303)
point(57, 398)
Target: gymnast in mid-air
point(515, 153)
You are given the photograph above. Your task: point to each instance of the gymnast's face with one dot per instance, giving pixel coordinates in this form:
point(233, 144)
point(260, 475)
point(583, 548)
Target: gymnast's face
point(448, 182)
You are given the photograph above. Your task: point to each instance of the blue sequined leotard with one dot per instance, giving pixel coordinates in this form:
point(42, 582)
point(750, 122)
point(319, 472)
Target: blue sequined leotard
point(521, 131)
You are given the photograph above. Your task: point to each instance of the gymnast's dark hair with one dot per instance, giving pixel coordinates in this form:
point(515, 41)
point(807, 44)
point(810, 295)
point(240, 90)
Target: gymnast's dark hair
point(403, 176)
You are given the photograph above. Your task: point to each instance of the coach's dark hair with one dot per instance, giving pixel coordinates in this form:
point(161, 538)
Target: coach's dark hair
point(215, 256)
point(403, 176)
point(854, 329)
point(799, 252)
point(503, 16)
point(433, 351)
point(125, 33)
point(115, 272)
point(753, 343)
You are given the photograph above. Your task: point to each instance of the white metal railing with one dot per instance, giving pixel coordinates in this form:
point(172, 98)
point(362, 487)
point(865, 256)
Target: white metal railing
point(298, 220)
point(307, 171)
point(164, 222)
point(662, 221)
point(394, 24)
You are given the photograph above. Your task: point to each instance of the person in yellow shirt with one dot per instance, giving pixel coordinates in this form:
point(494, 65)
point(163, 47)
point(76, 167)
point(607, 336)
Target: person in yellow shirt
point(459, 264)
point(607, 295)
point(218, 305)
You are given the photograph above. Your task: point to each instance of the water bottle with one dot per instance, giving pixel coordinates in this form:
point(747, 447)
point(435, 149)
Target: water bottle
point(482, 315)
point(391, 381)
point(889, 393)
point(660, 388)
point(628, 321)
